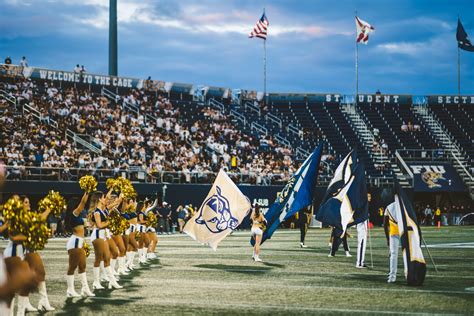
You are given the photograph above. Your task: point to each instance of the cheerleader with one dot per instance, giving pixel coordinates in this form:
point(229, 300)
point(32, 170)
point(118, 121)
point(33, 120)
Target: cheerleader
point(98, 203)
point(122, 241)
point(258, 225)
point(144, 241)
point(113, 203)
point(74, 224)
point(132, 242)
point(17, 268)
point(151, 234)
point(36, 264)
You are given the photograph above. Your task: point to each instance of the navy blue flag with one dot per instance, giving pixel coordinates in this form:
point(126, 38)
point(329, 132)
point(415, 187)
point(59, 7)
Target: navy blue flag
point(296, 195)
point(345, 203)
point(410, 238)
point(463, 39)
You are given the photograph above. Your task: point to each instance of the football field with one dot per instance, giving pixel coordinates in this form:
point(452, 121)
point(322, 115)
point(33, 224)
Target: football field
point(189, 278)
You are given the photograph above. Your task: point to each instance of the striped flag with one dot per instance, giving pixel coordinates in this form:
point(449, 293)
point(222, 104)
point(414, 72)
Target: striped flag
point(260, 29)
point(363, 30)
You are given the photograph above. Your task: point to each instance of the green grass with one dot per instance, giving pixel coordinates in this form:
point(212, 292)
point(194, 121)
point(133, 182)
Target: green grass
point(189, 278)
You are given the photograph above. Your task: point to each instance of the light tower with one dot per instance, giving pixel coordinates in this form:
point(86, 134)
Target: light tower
point(113, 38)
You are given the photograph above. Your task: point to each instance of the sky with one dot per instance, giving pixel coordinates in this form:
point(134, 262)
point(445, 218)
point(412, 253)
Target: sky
point(310, 46)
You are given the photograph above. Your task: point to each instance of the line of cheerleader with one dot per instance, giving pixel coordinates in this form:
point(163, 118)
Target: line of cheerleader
point(123, 230)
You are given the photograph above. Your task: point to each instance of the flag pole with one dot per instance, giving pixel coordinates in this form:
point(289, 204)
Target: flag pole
point(459, 67)
point(429, 254)
point(459, 71)
point(264, 68)
point(357, 66)
point(265, 72)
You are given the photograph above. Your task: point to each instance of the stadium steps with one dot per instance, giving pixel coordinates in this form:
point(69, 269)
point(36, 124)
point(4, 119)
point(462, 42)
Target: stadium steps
point(459, 161)
point(366, 137)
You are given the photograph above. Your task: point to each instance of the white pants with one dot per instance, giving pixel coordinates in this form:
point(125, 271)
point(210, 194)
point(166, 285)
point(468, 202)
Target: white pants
point(394, 244)
point(361, 243)
point(14, 250)
point(257, 231)
point(141, 228)
point(97, 233)
point(150, 230)
point(75, 242)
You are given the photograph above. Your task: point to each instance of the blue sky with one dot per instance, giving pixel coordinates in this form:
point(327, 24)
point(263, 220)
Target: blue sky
point(310, 47)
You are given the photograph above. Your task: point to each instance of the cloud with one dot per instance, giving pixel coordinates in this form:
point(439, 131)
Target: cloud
point(404, 48)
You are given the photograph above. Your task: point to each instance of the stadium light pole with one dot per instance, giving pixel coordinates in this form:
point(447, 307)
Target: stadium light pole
point(113, 38)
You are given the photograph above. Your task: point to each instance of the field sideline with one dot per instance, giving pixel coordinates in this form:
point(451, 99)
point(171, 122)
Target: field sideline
point(192, 279)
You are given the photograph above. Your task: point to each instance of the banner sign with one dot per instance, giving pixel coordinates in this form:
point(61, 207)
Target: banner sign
point(436, 177)
point(84, 78)
point(451, 99)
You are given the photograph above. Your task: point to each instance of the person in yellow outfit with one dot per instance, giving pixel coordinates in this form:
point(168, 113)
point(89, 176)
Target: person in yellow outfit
point(437, 217)
point(390, 225)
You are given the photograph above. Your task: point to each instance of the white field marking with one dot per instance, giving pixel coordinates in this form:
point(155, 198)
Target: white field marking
point(220, 306)
point(469, 245)
point(232, 285)
point(470, 289)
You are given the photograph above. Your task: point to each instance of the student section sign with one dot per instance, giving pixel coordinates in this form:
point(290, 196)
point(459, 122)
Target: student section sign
point(436, 177)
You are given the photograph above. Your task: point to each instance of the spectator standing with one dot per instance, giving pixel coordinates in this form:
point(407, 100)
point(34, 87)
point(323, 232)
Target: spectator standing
point(23, 62)
point(164, 216)
point(428, 215)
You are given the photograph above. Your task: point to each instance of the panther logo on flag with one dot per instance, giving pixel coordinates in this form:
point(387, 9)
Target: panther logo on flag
point(215, 214)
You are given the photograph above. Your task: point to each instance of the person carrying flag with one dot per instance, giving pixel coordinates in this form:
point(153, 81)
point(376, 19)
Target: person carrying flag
point(362, 239)
point(390, 225)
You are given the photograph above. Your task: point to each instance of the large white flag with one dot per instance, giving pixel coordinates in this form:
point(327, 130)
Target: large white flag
point(221, 212)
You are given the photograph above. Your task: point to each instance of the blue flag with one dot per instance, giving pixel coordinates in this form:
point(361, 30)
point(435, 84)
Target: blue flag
point(345, 203)
point(296, 195)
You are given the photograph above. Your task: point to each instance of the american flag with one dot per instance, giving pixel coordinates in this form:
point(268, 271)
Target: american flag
point(260, 29)
point(363, 30)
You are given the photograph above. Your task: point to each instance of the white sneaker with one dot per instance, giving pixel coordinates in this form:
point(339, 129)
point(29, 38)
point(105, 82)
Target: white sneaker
point(257, 259)
point(302, 245)
point(330, 255)
point(348, 254)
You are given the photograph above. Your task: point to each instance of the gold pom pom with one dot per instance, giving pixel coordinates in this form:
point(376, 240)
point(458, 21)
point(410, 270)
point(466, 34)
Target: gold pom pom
point(37, 232)
point(151, 219)
point(88, 184)
point(123, 185)
point(116, 223)
point(54, 201)
point(87, 249)
point(113, 184)
point(12, 208)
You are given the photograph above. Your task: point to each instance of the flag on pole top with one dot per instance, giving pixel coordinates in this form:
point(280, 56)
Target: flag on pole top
point(260, 29)
point(363, 31)
point(463, 39)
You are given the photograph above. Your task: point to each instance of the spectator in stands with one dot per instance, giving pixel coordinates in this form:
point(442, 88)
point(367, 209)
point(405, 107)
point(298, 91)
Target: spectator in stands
point(83, 70)
point(8, 60)
point(164, 216)
point(376, 132)
point(23, 62)
point(77, 69)
point(416, 127)
point(410, 126)
point(404, 127)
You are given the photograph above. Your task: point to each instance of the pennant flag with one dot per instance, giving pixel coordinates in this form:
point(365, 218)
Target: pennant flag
point(363, 31)
point(260, 29)
point(296, 195)
point(463, 39)
point(221, 212)
point(345, 202)
point(410, 238)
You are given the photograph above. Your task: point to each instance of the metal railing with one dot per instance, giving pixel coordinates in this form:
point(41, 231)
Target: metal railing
point(282, 140)
point(78, 140)
point(37, 114)
point(293, 129)
point(259, 128)
point(216, 104)
point(275, 119)
point(4, 94)
point(239, 116)
point(252, 107)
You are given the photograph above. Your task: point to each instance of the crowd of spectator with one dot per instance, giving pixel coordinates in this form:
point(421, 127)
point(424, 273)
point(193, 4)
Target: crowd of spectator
point(430, 215)
point(135, 132)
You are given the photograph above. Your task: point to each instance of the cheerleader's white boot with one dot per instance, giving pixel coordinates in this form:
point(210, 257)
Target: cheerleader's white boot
point(43, 304)
point(96, 285)
point(85, 291)
point(113, 282)
point(21, 308)
point(122, 270)
point(113, 263)
point(71, 292)
point(104, 277)
point(28, 306)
